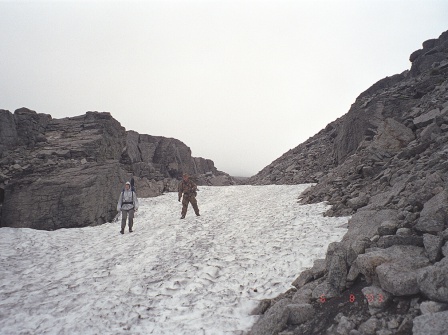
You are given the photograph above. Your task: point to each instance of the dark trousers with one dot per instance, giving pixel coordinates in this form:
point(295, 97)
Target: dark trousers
point(189, 199)
point(124, 216)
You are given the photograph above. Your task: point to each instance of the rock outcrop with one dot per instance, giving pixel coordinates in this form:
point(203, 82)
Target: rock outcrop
point(385, 163)
point(62, 173)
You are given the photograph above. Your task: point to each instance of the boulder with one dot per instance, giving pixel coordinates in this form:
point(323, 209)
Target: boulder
point(428, 307)
point(433, 323)
point(376, 297)
point(274, 320)
point(299, 313)
point(433, 283)
point(426, 118)
point(367, 263)
point(433, 245)
point(434, 214)
point(400, 276)
point(388, 227)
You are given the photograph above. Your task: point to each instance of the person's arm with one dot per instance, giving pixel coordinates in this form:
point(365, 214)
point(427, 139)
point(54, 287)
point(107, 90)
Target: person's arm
point(135, 202)
point(119, 202)
point(179, 189)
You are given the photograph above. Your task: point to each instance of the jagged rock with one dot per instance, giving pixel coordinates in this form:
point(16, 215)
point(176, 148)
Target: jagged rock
point(274, 320)
point(428, 307)
point(317, 271)
point(404, 232)
point(433, 283)
point(445, 249)
point(376, 297)
point(302, 296)
point(433, 245)
point(299, 313)
point(388, 228)
point(358, 202)
point(390, 240)
point(370, 326)
point(427, 118)
point(400, 276)
point(434, 324)
point(367, 263)
point(345, 325)
point(434, 214)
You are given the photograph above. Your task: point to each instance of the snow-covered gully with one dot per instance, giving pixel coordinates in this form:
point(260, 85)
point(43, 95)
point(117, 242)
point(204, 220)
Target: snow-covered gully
point(201, 275)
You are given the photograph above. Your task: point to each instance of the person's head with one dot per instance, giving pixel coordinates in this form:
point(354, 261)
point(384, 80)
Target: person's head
point(185, 176)
point(127, 186)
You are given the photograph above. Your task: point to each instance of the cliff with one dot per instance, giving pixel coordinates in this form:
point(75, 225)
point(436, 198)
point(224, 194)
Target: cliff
point(62, 173)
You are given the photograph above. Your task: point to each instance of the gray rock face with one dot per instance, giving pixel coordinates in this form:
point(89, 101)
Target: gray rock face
point(433, 245)
point(428, 307)
point(434, 214)
point(62, 173)
point(433, 281)
point(388, 228)
point(299, 313)
point(407, 257)
point(434, 324)
point(400, 277)
point(274, 320)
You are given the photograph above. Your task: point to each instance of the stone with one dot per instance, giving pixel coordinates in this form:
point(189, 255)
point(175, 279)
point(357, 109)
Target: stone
point(376, 297)
point(367, 263)
point(345, 326)
point(433, 282)
point(388, 228)
point(370, 326)
point(299, 313)
point(433, 323)
point(274, 320)
point(400, 277)
point(428, 307)
point(317, 271)
point(403, 232)
point(434, 214)
point(390, 240)
point(358, 202)
point(433, 245)
point(302, 296)
point(445, 249)
point(393, 135)
point(426, 118)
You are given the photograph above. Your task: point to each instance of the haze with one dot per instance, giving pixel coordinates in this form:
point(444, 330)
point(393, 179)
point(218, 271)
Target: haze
point(240, 82)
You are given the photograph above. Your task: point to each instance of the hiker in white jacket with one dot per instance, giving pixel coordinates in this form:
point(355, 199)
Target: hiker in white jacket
point(127, 204)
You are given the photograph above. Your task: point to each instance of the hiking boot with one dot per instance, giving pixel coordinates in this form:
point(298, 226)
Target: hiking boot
point(182, 217)
point(130, 230)
point(121, 231)
point(198, 214)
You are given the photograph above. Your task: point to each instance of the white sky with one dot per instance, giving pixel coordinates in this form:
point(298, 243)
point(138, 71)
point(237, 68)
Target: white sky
point(240, 82)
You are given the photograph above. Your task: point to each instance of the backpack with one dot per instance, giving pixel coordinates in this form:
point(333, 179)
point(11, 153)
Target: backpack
point(132, 190)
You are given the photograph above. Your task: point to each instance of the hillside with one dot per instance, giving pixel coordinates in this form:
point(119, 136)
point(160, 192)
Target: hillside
point(385, 163)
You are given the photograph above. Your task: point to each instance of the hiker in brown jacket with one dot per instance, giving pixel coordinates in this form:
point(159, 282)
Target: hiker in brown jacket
point(188, 188)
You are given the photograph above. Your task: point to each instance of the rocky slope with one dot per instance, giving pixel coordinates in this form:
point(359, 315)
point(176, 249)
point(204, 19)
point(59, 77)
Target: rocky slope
point(385, 163)
point(61, 173)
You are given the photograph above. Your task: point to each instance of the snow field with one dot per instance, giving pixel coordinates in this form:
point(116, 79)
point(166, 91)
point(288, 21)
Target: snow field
point(201, 275)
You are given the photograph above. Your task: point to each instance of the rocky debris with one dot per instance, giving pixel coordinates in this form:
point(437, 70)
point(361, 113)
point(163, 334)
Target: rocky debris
point(62, 173)
point(433, 323)
point(385, 163)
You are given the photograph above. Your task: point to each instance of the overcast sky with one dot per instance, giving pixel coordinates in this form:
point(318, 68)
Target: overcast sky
point(240, 82)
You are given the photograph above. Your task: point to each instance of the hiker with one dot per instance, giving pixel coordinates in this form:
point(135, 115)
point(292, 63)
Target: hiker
point(127, 204)
point(188, 188)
